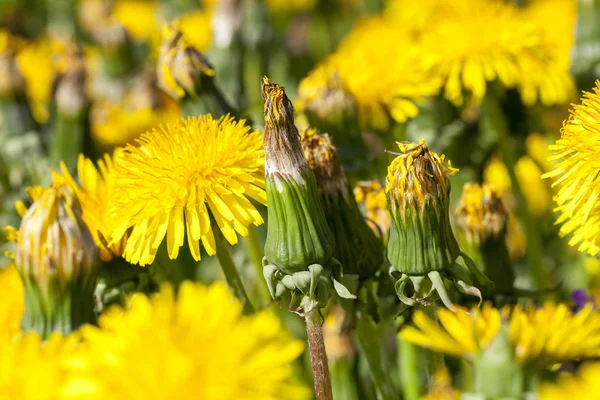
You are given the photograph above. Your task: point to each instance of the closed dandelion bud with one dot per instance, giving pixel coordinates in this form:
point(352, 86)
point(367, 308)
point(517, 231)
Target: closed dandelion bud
point(330, 107)
point(357, 247)
point(187, 76)
point(299, 243)
point(422, 248)
point(482, 216)
point(57, 259)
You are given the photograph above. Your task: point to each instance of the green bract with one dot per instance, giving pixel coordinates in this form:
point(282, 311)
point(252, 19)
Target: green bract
point(298, 263)
point(422, 248)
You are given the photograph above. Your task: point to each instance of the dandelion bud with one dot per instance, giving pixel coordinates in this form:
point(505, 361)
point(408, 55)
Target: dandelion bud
point(422, 248)
point(56, 257)
point(484, 219)
point(299, 243)
point(481, 213)
point(186, 75)
point(330, 107)
point(357, 247)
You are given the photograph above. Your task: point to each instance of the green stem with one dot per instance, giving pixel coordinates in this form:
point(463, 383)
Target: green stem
point(368, 335)
point(342, 380)
point(493, 120)
point(255, 249)
point(409, 370)
point(318, 356)
point(231, 273)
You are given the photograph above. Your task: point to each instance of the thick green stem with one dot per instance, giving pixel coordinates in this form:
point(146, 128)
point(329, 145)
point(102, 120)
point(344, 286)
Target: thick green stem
point(318, 356)
point(369, 341)
point(409, 370)
point(67, 139)
point(493, 120)
point(231, 273)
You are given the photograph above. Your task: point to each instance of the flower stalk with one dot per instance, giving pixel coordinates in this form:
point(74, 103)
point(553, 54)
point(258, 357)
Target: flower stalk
point(318, 355)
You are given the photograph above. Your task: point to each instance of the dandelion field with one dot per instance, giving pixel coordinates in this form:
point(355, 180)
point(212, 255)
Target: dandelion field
point(299, 199)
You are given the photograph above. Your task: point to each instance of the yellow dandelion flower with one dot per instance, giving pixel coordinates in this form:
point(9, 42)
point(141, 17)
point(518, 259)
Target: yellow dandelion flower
point(193, 345)
point(39, 64)
point(137, 16)
point(32, 369)
point(576, 174)
point(582, 385)
point(557, 19)
point(441, 386)
point(382, 79)
point(481, 212)
point(538, 335)
point(94, 193)
point(114, 125)
point(197, 167)
point(12, 306)
point(196, 28)
point(553, 333)
point(372, 196)
point(477, 42)
point(461, 333)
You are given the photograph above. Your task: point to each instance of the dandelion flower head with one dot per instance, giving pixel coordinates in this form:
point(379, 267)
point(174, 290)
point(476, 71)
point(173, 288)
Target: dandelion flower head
point(180, 176)
point(193, 345)
point(576, 177)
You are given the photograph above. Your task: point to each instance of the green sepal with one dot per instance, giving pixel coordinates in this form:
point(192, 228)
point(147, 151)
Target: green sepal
point(421, 238)
point(357, 248)
point(55, 308)
point(297, 233)
point(497, 374)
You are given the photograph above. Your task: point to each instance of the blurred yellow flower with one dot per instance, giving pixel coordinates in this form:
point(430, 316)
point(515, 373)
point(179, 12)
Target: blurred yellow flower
point(539, 335)
point(382, 79)
point(584, 384)
point(137, 16)
point(441, 386)
point(196, 345)
point(39, 63)
point(202, 167)
point(93, 194)
point(461, 334)
point(290, 6)
point(114, 125)
point(481, 212)
point(196, 28)
point(371, 195)
point(536, 145)
point(481, 41)
point(338, 343)
point(34, 370)
point(536, 191)
point(13, 302)
point(576, 173)
point(496, 174)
